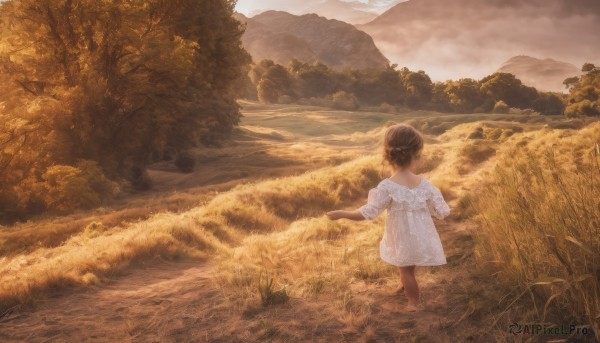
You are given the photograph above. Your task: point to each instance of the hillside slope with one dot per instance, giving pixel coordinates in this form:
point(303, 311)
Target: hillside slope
point(546, 74)
point(282, 36)
point(338, 285)
point(351, 12)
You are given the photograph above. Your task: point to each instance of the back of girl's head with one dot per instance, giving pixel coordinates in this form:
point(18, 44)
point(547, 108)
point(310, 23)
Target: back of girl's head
point(402, 144)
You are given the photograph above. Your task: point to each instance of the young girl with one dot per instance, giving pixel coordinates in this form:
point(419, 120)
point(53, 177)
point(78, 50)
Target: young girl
point(410, 238)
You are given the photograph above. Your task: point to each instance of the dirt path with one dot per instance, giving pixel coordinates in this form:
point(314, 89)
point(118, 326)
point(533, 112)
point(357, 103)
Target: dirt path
point(157, 301)
point(179, 302)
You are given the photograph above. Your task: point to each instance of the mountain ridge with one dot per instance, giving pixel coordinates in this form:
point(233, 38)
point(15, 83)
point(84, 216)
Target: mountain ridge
point(282, 36)
point(544, 74)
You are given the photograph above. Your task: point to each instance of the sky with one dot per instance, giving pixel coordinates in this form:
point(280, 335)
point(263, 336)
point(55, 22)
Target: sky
point(252, 7)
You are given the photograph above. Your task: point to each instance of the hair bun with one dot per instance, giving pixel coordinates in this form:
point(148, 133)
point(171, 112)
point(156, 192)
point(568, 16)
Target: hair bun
point(402, 144)
point(401, 149)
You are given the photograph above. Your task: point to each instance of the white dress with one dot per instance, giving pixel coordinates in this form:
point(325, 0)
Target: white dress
point(410, 237)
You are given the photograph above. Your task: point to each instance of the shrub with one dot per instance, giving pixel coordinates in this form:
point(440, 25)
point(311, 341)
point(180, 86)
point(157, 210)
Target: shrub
point(506, 133)
point(387, 108)
point(80, 186)
point(285, 99)
point(268, 294)
point(501, 108)
point(523, 111)
point(477, 134)
point(517, 128)
point(477, 152)
point(345, 101)
point(493, 133)
point(186, 162)
point(585, 107)
point(139, 178)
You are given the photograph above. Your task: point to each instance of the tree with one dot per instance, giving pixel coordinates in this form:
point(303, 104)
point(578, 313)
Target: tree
point(275, 82)
point(345, 101)
point(113, 82)
point(257, 71)
point(570, 82)
point(267, 91)
point(506, 87)
point(419, 88)
point(587, 67)
point(440, 99)
point(244, 88)
point(465, 95)
point(312, 80)
point(549, 103)
point(584, 96)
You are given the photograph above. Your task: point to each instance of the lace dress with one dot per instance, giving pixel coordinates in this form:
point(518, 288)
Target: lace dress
point(410, 237)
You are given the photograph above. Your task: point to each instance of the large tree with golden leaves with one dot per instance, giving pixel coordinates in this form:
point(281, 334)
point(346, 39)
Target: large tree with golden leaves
point(115, 82)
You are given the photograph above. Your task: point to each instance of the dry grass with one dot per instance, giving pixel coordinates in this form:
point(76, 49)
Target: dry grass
point(269, 205)
point(99, 251)
point(313, 259)
point(274, 226)
point(312, 256)
point(540, 220)
point(49, 232)
point(477, 151)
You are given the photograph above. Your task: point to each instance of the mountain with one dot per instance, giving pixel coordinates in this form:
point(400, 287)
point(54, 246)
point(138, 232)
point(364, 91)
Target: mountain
point(350, 12)
point(546, 74)
point(470, 38)
point(353, 12)
point(282, 36)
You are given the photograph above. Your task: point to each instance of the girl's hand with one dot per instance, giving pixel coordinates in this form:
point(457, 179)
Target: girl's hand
point(352, 215)
point(335, 215)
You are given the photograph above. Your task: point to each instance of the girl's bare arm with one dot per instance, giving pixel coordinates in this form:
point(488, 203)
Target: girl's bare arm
point(352, 215)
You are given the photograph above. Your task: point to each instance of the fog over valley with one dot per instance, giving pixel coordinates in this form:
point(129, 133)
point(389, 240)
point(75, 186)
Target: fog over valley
point(453, 39)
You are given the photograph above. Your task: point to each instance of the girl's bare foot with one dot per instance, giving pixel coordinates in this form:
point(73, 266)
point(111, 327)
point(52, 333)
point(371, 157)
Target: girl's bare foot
point(416, 306)
point(412, 307)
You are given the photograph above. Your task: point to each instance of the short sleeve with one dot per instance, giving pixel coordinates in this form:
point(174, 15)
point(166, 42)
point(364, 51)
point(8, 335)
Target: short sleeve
point(436, 203)
point(378, 200)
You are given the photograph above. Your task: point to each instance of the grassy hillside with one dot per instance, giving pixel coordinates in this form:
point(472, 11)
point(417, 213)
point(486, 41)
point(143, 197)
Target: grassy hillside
point(255, 208)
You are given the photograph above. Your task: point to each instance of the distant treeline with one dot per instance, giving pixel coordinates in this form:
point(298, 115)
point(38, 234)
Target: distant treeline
point(92, 91)
point(392, 88)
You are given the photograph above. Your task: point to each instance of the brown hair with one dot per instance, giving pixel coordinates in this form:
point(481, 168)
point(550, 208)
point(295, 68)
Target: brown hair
point(402, 144)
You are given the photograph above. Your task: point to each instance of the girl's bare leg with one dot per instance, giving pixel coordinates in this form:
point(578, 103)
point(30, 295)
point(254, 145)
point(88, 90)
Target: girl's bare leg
point(400, 288)
point(411, 288)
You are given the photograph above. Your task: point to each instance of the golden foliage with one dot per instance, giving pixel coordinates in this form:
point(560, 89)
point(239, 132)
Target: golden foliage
point(111, 82)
